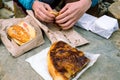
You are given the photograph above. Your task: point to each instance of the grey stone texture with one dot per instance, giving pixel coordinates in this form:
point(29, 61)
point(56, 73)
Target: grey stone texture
point(114, 9)
point(107, 66)
point(1, 4)
point(7, 11)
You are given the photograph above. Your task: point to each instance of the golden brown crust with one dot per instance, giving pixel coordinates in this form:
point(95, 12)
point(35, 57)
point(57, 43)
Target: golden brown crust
point(18, 33)
point(65, 61)
point(54, 13)
point(21, 33)
point(53, 72)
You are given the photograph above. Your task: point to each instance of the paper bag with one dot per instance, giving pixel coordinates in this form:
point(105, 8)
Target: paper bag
point(103, 26)
point(70, 36)
point(11, 45)
point(54, 33)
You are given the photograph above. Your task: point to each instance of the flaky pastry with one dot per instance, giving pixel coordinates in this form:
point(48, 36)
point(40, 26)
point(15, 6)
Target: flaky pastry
point(21, 33)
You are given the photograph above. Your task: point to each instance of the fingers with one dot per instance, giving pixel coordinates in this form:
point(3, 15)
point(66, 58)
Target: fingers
point(63, 13)
point(63, 9)
point(66, 16)
point(67, 19)
point(42, 12)
point(61, 16)
point(68, 27)
point(70, 14)
point(68, 24)
point(46, 10)
point(43, 17)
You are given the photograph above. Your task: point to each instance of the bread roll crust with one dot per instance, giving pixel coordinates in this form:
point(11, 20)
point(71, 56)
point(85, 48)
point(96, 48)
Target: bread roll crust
point(64, 61)
point(21, 33)
point(18, 33)
point(54, 13)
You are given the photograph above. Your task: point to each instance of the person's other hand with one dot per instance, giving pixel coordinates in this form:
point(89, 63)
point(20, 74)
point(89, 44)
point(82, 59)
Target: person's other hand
point(42, 11)
point(71, 12)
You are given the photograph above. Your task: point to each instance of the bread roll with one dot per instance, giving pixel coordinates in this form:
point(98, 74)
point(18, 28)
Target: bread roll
point(64, 61)
point(54, 13)
point(21, 33)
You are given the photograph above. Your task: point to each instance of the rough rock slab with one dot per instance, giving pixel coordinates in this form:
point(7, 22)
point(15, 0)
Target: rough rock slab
point(107, 66)
point(114, 9)
point(5, 14)
point(9, 5)
point(1, 4)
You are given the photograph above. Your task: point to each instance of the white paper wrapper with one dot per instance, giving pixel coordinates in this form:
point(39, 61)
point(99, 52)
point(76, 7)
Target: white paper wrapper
point(86, 21)
point(39, 63)
point(103, 26)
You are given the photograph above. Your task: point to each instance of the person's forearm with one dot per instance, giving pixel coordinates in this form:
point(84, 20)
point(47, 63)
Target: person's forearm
point(93, 2)
point(86, 4)
point(27, 4)
point(86, 1)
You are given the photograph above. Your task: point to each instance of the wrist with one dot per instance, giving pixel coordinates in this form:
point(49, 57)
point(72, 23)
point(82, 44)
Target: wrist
point(86, 2)
point(34, 3)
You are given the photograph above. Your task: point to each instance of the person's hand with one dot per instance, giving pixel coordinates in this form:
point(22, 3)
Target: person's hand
point(42, 11)
point(71, 12)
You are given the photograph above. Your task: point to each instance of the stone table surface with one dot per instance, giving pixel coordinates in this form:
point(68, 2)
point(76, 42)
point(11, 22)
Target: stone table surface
point(107, 66)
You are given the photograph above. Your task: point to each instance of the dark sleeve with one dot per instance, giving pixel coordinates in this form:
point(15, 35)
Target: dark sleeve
point(27, 4)
point(94, 2)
